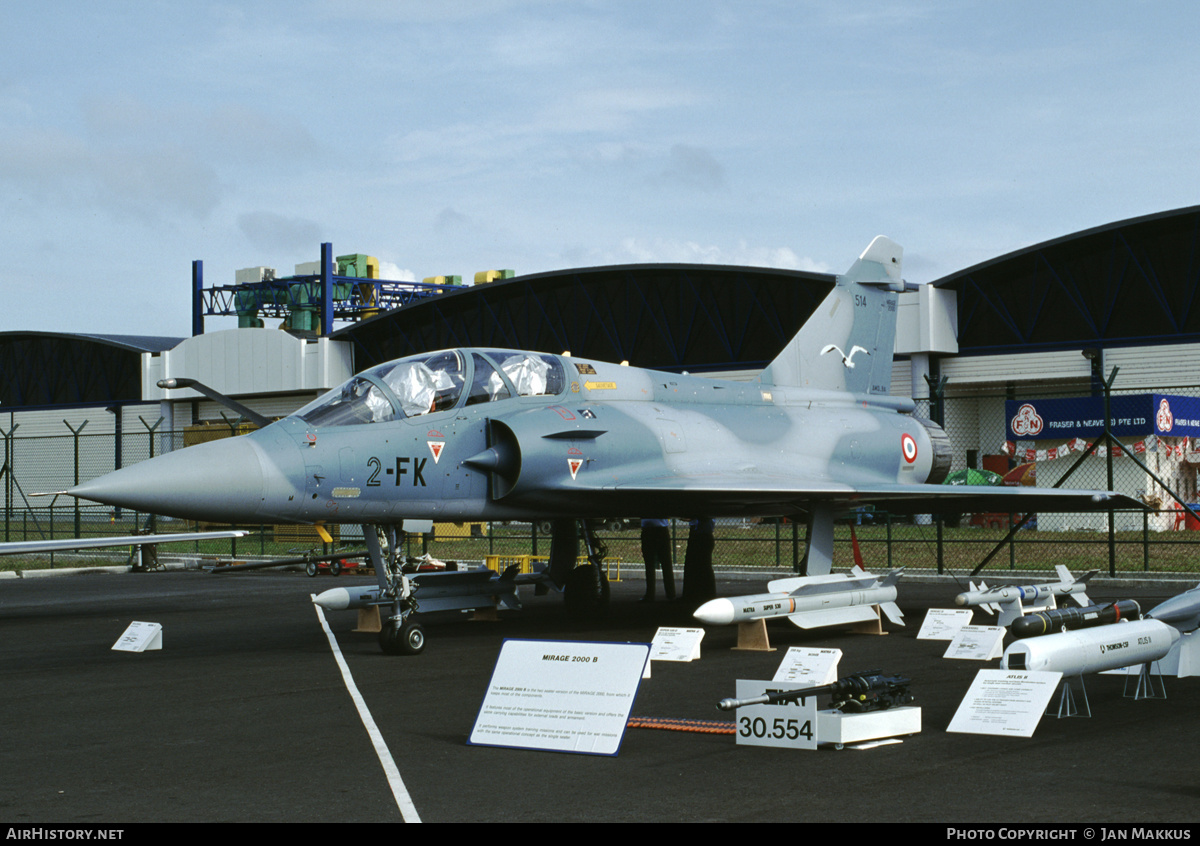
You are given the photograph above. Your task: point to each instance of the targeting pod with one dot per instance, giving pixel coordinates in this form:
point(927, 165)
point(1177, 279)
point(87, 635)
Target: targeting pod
point(1092, 650)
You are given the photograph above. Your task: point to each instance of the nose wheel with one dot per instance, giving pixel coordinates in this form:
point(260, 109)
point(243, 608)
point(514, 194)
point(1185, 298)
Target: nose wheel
point(402, 637)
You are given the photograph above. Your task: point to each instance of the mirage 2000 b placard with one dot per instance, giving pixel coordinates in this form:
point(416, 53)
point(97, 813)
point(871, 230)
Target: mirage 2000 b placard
point(562, 696)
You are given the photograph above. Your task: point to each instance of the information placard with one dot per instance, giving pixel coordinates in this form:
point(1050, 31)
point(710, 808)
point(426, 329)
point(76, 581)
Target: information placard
point(561, 696)
point(140, 637)
point(1005, 702)
point(805, 666)
point(942, 623)
point(977, 643)
point(672, 644)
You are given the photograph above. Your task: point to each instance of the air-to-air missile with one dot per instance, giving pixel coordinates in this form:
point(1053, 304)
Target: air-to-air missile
point(1011, 601)
point(450, 590)
point(1048, 622)
point(812, 601)
point(1073, 653)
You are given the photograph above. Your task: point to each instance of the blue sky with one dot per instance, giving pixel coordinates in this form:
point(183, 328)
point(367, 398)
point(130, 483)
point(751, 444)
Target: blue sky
point(459, 136)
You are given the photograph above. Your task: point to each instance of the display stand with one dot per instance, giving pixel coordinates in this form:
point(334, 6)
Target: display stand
point(1145, 687)
point(368, 620)
point(1066, 698)
point(838, 729)
point(752, 636)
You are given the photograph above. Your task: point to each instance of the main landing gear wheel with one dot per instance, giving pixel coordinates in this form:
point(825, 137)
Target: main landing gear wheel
point(397, 638)
point(583, 596)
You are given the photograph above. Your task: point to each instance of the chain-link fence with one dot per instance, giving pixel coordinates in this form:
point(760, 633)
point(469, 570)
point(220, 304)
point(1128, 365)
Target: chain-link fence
point(1153, 467)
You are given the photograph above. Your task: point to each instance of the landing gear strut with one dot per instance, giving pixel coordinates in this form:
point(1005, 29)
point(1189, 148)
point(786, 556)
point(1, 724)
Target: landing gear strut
point(585, 588)
point(398, 634)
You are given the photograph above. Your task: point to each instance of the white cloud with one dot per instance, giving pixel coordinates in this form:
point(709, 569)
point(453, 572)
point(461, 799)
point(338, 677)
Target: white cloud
point(638, 251)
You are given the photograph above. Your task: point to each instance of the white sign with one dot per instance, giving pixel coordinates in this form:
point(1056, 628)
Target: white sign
point(977, 643)
point(676, 644)
point(140, 637)
point(1005, 702)
point(561, 696)
point(792, 725)
point(804, 666)
point(942, 623)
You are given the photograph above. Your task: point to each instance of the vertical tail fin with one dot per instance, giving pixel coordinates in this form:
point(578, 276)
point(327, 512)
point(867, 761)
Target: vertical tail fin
point(848, 342)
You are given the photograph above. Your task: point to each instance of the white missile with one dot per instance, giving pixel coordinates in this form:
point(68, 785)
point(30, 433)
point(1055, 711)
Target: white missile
point(446, 590)
point(1073, 653)
point(1013, 601)
point(339, 599)
point(812, 601)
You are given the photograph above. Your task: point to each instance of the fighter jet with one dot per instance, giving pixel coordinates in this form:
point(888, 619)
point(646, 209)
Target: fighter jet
point(489, 434)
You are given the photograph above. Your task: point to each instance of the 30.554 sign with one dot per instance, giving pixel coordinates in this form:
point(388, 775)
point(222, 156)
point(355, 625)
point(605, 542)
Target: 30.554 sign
point(792, 725)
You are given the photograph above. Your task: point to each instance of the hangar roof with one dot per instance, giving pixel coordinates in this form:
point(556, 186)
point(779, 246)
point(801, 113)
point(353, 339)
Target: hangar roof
point(1136, 281)
point(40, 369)
point(664, 316)
point(1132, 282)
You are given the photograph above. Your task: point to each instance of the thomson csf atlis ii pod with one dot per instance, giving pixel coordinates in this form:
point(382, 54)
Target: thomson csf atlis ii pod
point(1074, 653)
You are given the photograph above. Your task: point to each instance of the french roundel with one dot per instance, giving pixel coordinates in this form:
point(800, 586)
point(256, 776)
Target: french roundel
point(909, 446)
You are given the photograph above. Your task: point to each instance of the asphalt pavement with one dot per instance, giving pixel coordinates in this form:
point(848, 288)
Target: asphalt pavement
point(243, 715)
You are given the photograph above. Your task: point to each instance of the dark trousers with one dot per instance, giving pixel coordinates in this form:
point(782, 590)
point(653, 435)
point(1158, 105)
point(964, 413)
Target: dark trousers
point(656, 552)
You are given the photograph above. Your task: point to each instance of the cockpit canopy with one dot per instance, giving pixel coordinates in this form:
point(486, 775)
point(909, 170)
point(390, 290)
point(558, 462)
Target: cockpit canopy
point(440, 381)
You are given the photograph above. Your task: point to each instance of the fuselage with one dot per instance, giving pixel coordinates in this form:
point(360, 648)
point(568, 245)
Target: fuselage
point(502, 434)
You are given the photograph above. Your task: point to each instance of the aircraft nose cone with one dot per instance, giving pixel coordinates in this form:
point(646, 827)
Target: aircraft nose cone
point(220, 481)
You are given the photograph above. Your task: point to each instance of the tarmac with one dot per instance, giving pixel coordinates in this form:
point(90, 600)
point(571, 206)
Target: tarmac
point(244, 715)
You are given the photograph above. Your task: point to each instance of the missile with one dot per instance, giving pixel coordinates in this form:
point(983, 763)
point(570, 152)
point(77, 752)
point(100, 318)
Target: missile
point(1073, 653)
point(447, 590)
point(340, 598)
point(812, 601)
point(1182, 611)
point(1046, 622)
point(1010, 601)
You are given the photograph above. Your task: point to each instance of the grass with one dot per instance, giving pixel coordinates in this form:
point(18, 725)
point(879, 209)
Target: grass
point(766, 547)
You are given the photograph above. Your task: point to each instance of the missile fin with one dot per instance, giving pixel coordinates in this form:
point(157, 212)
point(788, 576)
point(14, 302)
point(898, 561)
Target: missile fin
point(893, 612)
point(1010, 611)
point(834, 617)
point(835, 587)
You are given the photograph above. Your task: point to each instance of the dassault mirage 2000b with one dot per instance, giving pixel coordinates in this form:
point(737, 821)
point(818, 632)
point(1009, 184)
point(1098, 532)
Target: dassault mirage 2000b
point(485, 434)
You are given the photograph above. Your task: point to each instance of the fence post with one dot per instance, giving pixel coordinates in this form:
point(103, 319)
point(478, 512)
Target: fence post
point(75, 436)
point(937, 413)
point(7, 471)
point(152, 520)
point(1110, 442)
point(888, 522)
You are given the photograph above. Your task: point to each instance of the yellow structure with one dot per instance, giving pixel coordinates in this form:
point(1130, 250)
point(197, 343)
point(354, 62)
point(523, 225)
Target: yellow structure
point(485, 276)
